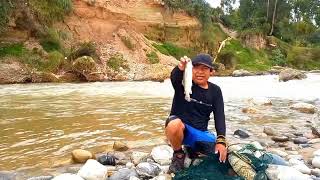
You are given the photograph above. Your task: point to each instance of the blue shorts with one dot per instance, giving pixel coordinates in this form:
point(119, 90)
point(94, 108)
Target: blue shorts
point(197, 140)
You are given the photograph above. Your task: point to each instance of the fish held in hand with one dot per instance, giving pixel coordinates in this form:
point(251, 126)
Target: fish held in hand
point(187, 80)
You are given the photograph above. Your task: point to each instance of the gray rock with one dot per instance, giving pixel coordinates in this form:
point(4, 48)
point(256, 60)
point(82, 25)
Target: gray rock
point(315, 172)
point(304, 108)
point(269, 131)
point(162, 154)
point(277, 172)
point(280, 138)
point(300, 140)
point(315, 131)
point(41, 178)
point(290, 74)
point(146, 169)
point(137, 157)
point(316, 162)
point(6, 175)
point(241, 72)
point(68, 176)
point(124, 174)
point(316, 153)
point(162, 177)
point(302, 168)
point(241, 133)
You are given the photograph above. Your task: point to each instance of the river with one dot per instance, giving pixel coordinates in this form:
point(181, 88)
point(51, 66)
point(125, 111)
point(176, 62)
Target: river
point(42, 123)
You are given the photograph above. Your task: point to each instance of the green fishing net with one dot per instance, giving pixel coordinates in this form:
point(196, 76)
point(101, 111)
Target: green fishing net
point(211, 169)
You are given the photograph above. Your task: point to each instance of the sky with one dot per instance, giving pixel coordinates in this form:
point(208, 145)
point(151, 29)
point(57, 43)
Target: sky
point(216, 3)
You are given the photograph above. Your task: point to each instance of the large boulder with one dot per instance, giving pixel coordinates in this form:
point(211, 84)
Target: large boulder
point(14, 72)
point(290, 74)
point(304, 108)
point(278, 172)
point(147, 170)
point(93, 170)
point(241, 72)
point(162, 154)
point(87, 67)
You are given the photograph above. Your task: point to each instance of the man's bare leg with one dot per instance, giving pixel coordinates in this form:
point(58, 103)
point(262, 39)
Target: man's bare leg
point(174, 133)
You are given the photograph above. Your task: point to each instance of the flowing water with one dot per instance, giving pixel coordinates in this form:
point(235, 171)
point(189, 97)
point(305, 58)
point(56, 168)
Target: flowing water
point(42, 123)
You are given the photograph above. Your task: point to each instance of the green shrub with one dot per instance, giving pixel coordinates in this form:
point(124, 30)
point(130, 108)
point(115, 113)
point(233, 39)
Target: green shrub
point(16, 50)
point(153, 57)
point(49, 11)
point(83, 49)
point(127, 42)
point(168, 48)
point(304, 58)
point(51, 41)
point(55, 60)
point(5, 8)
point(277, 58)
point(117, 61)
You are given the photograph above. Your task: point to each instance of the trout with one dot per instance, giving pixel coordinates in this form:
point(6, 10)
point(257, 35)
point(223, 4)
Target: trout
point(187, 80)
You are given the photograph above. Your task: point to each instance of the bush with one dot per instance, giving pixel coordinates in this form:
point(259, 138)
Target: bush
point(5, 8)
point(117, 61)
point(83, 49)
point(55, 60)
point(153, 57)
point(51, 41)
point(277, 58)
point(173, 50)
point(49, 11)
point(16, 50)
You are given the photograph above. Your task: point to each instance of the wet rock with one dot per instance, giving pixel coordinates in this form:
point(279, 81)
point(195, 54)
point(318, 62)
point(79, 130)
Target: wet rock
point(162, 154)
point(6, 175)
point(241, 133)
point(68, 176)
point(81, 156)
point(93, 170)
point(280, 138)
point(250, 110)
point(120, 146)
point(290, 74)
point(315, 131)
point(300, 140)
point(278, 152)
point(302, 168)
point(316, 162)
point(40, 178)
point(146, 169)
point(121, 157)
point(277, 172)
point(124, 174)
point(107, 159)
point(304, 108)
point(138, 157)
point(241, 73)
point(269, 131)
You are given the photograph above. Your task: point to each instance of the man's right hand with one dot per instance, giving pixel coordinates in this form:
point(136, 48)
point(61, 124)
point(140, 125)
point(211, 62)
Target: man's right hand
point(183, 62)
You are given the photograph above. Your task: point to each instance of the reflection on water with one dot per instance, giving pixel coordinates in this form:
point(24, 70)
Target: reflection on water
point(41, 123)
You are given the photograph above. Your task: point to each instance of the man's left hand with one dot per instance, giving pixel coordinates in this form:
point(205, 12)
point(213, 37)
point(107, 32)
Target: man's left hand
point(222, 152)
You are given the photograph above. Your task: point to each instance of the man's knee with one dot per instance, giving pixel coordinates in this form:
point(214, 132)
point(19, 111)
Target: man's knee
point(175, 126)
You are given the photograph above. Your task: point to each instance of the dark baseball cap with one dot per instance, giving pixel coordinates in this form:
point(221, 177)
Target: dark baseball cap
point(204, 59)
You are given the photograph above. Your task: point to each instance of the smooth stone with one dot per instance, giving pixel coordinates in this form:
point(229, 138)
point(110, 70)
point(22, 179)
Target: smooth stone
point(269, 131)
point(162, 154)
point(304, 108)
point(277, 172)
point(257, 145)
point(316, 162)
point(120, 146)
point(146, 169)
point(275, 159)
point(293, 162)
point(124, 174)
point(298, 134)
point(300, 140)
point(164, 169)
point(241, 133)
point(40, 178)
point(133, 178)
point(278, 152)
point(315, 172)
point(93, 170)
point(302, 168)
point(315, 131)
point(249, 110)
point(137, 157)
point(281, 144)
point(81, 156)
point(280, 138)
point(314, 141)
point(304, 145)
point(297, 157)
point(129, 165)
point(316, 153)
point(68, 176)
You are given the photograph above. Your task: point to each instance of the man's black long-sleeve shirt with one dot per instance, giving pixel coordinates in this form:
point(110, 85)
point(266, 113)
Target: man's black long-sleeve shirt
point(197, 114)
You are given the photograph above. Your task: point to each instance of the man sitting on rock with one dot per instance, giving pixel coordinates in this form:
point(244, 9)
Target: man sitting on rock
point(188, 121)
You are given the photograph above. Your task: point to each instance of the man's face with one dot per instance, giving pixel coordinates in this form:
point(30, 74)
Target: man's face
point(200, 74)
